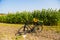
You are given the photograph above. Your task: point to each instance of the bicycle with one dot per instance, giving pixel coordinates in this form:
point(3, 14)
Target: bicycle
point(27, 28)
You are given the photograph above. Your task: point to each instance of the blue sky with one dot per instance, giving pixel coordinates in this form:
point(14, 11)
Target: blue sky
point(29, 5)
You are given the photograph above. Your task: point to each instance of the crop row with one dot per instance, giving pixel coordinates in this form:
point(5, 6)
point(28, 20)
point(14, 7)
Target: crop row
point(49, 17)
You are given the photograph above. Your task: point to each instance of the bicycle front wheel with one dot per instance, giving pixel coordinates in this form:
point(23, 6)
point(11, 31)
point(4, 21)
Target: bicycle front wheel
point(38, 28)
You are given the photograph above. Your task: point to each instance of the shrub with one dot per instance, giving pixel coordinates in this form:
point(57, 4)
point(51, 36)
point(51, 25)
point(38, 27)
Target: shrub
point(49, 17)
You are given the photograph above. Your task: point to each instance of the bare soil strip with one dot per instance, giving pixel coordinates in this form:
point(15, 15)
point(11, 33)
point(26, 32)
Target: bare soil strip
point(8, 33)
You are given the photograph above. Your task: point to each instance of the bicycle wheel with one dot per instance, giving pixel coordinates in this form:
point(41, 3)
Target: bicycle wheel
point(21, 31)
point(38, 28)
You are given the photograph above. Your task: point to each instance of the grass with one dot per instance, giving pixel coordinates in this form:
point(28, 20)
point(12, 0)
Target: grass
point(55, 28)
point(11, 25)
point(19, 38)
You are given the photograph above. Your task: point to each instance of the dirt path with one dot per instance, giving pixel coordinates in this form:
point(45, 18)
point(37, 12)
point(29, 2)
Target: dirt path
point(8, 33)
point(44, 35)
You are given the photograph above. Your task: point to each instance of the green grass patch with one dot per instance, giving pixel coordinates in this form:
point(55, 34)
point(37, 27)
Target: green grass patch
point(19, 38)
point(11, 25)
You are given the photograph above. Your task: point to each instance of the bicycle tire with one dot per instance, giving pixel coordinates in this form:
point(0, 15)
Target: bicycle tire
point(38, 29)
point(21, 32)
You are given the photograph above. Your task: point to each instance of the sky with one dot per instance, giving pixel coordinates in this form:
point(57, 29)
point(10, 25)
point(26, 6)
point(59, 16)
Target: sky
point(29, 5)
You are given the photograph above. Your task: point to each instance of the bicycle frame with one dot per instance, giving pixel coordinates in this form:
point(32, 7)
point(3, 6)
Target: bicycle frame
point(26, 25)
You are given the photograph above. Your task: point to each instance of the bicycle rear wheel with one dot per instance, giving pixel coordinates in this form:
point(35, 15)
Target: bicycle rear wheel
point(21, 31)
